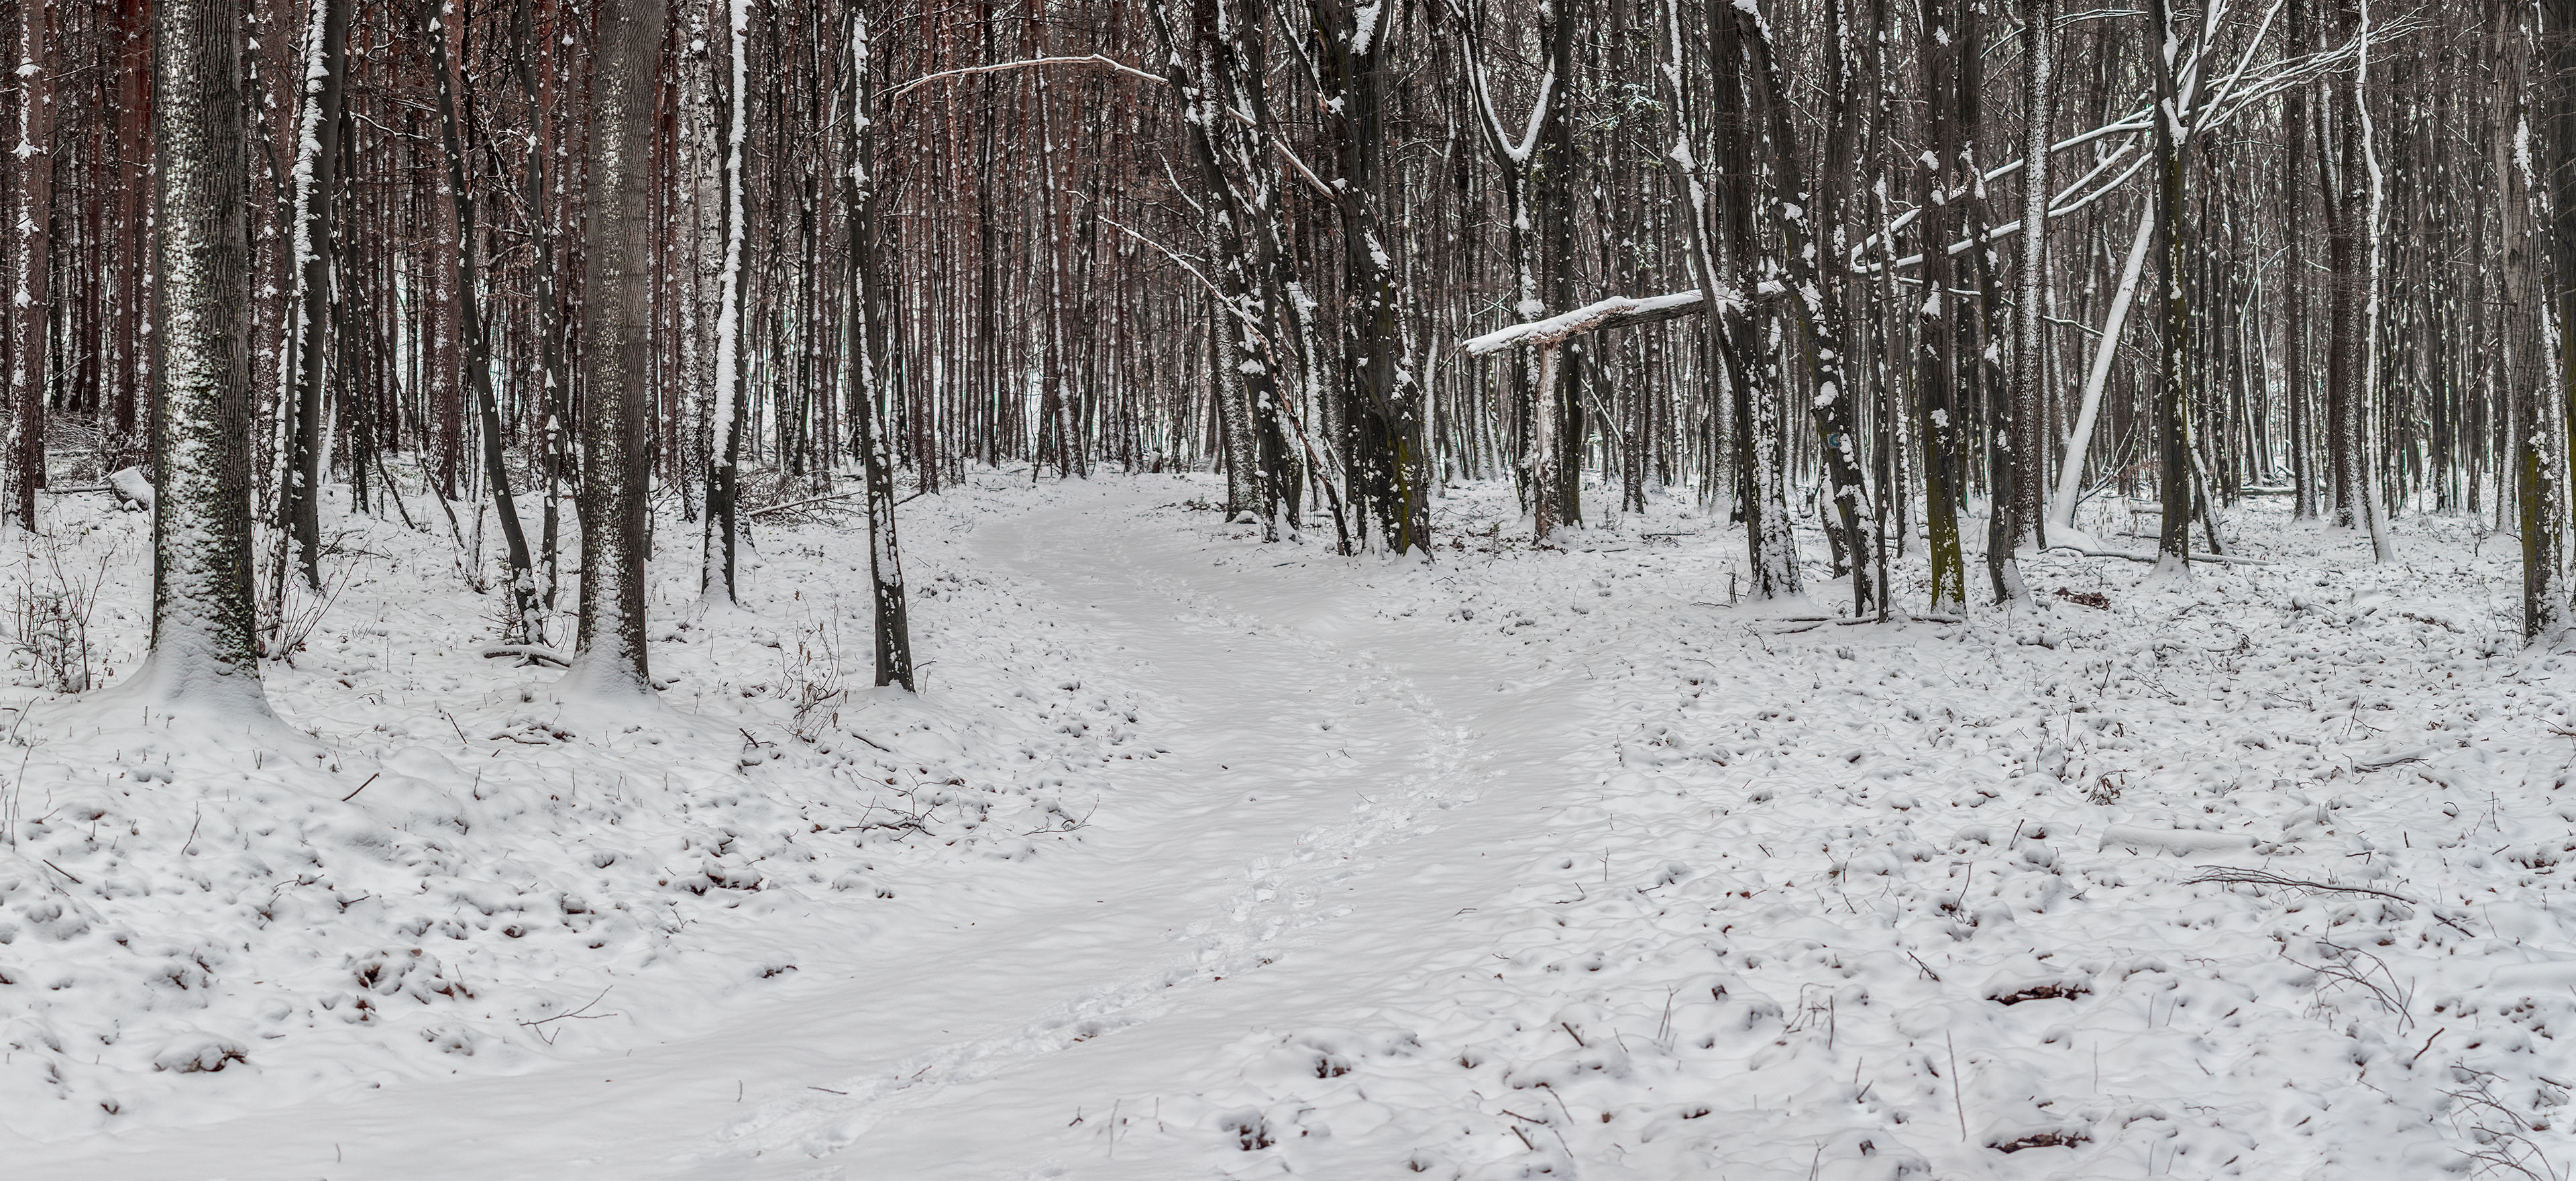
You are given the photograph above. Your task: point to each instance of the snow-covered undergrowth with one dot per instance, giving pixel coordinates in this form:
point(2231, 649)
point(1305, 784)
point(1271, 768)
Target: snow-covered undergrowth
point(2255, 875)
point(459, 869)
point(1510, 864)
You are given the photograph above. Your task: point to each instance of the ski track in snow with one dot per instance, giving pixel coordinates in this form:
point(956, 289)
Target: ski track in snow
point(1207, 858)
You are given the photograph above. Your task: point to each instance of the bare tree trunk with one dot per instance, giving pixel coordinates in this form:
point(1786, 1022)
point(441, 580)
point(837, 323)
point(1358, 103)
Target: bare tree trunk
point(2173, 371)
point(2549, 214)
point(2022, 442)
point(475, 338)
point(1386, 466)
point(1937, 339)
point(30, 306)
point(2294, 283)
point(860, 193)
point(1816, 297)
point(1755, 378)
point(203, 612)
point(617, 308)
point(539, 199)
point(731, 413)
point(317, 156)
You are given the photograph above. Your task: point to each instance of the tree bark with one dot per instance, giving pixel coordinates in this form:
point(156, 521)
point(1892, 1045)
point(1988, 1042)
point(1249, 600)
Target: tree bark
point(30, 305)
point(317, 157)
point(2021, 440)
point(860, 193)
point(1937, 361)
point(2174, 369)
point(203, 657)
point(2550, 201)
point(617, 344)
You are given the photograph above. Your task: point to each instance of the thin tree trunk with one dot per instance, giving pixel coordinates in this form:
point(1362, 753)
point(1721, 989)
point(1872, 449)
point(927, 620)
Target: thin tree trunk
point(2173, 371)
point(1937, 341)
point(317, 156)
point(859, 195)
point(731, 414)
point(30, 310)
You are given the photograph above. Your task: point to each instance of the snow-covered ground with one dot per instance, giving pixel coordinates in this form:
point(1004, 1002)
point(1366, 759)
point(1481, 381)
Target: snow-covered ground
point(1199, 857)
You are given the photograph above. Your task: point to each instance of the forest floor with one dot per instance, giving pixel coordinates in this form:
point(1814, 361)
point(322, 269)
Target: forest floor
point(1202, 857)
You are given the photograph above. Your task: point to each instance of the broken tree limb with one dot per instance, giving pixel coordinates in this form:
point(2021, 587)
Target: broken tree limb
point(1615, 312)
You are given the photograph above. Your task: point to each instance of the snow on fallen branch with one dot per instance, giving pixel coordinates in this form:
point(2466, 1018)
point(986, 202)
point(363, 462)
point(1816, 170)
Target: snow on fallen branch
point(535, 652)
point(1093, 59)
point(1615, 312)
point(2219, 559)
point(812, 501)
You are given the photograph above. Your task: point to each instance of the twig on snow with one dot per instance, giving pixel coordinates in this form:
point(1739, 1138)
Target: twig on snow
point(343, 799)
point(2228, 875)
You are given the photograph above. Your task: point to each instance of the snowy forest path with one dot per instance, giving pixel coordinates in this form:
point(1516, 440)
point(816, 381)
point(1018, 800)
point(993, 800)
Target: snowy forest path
point(1333, 785)
point(1335, 788)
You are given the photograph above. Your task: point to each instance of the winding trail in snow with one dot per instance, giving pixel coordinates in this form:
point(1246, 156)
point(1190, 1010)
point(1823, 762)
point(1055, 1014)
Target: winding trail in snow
point(1333, 781)
point(1337, 788)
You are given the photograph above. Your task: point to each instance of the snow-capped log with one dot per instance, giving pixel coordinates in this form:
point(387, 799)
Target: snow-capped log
point(1616, 312)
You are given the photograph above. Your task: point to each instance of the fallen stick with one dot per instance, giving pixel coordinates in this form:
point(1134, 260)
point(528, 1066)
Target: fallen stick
point(530, 651)
point(2222, 559)
point(780, 508)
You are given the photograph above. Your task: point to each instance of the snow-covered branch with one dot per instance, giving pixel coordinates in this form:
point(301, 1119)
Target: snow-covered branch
point(1092, 59)
point(1615, 312)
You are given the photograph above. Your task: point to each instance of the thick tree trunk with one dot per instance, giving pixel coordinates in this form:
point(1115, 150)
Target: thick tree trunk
point(2022, 442)
point(1387, 471)
point(617, 344)
point(203, 613)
